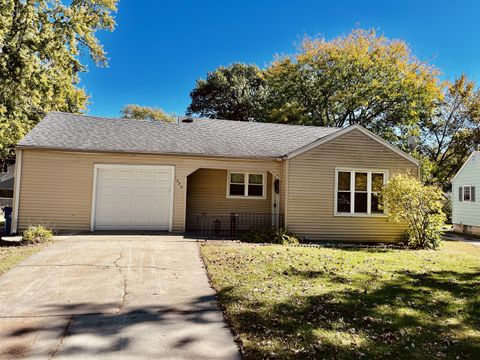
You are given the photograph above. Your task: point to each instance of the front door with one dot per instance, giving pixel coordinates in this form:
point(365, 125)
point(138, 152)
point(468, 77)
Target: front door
point(276, 202)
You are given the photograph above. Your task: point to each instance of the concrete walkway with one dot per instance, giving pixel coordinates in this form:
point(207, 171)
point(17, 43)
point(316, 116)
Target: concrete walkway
point(449, 235)
point(112, 297)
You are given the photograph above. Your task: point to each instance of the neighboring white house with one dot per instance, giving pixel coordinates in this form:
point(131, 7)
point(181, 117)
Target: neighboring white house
point(465, 208)
point(6, 186)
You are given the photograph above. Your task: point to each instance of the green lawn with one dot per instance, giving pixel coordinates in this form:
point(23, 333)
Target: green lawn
point(12, 255)
point(287, 302)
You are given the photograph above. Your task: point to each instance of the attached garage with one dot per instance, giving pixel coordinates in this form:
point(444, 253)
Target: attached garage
point(132, 197)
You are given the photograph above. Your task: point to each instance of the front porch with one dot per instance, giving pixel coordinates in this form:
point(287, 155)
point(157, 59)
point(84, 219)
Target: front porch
point(220, 203)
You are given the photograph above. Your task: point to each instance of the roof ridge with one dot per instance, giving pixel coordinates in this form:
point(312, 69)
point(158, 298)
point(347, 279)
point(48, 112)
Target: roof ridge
point(197, 118)
point(147, 121)
point(271, 123)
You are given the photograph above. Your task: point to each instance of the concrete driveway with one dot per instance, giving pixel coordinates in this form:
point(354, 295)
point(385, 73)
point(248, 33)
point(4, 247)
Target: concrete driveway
point(112, 297)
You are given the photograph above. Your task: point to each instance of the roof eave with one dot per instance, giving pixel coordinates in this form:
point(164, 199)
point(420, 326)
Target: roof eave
point(464, 164)
point(92, 151)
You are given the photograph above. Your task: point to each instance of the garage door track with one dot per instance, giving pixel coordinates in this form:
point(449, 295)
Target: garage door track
point(112, 297)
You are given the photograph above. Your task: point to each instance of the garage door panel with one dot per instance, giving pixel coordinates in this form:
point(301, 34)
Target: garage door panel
point(160, 201)
point(125, 190)
point(105, 174)
point(126, 175)
point(133, 199)
point(161, 192)
point(106, 190)
point(144, 175)
point(143, 191)
point(143, 222)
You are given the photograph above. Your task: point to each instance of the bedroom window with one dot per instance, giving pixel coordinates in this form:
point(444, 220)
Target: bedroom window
point(246, 185)
point(357, 191)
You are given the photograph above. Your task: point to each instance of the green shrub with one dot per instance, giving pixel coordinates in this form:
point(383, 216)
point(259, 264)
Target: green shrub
point(37, 234)
point(407, 200)
point(269, 236)
point(447, 208)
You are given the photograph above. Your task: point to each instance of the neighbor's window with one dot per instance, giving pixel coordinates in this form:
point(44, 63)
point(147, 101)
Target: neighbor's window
point(250, 185)
point(358, 191)
point(467, 193)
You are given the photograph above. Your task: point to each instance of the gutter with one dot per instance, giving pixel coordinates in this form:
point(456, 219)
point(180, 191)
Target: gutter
point(252, 158)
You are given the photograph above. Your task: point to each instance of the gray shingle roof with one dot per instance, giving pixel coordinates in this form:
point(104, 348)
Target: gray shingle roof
point(205, 137)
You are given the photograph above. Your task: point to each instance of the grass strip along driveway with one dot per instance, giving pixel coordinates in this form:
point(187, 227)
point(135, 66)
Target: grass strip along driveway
point(12, 255)
point(349, 303)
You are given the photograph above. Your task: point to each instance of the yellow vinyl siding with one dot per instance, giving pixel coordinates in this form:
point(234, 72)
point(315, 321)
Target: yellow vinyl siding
point(56, 187)
point(311, 189)
point(207, 189)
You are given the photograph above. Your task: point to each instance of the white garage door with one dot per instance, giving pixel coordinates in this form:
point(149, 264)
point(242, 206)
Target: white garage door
point(133, 197)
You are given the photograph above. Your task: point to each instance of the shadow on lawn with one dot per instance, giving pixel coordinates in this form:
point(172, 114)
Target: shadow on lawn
point(400, 319)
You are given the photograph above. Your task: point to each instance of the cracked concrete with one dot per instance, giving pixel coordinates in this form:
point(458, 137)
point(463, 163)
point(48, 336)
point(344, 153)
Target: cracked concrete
point(111, 297)
point(64, 335)
point(123, 275)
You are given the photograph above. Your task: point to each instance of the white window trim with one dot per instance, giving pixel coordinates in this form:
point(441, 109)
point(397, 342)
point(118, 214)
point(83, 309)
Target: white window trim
point(352, 191)
point(463, 193)
point(246, 174)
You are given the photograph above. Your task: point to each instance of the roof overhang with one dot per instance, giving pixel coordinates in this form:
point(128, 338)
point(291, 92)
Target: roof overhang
point(93, 151)
point(344, 131)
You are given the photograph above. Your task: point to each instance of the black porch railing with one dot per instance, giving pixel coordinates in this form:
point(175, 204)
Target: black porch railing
point(222, 226)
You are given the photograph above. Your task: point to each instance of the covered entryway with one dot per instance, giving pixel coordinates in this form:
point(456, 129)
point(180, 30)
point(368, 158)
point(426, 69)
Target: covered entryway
point(222, 202)
point(132, 197)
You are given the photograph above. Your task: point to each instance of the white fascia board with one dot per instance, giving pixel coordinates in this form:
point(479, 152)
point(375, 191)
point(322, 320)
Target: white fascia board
point(464, 164)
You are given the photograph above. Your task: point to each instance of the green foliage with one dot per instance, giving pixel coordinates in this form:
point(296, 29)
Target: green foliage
point(235, 92)
point(447, 208)
point(453, 132)
point(361, 78)
point(37, 234)
point(408, 201)
point(144, 112)
point(40, 45)
point(269, 236)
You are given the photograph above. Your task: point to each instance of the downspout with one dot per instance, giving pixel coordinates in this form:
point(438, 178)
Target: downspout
point(16, 190)
point(287, 170)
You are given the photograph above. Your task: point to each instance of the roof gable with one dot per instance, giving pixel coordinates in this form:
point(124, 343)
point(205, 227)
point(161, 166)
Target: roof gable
point(345, 131)
point(472, 155)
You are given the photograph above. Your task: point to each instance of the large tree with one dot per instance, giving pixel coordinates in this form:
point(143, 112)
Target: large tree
point(361, 78)
point(449, 136)
point(132, 111)
point(41, 42)
point(235, 92)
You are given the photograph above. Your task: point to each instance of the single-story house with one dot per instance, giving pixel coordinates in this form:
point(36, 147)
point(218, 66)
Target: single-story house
point(79, 172)
point(465, 210)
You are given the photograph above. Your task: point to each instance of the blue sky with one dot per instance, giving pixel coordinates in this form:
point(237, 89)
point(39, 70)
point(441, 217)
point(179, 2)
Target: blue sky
point(160, 48)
